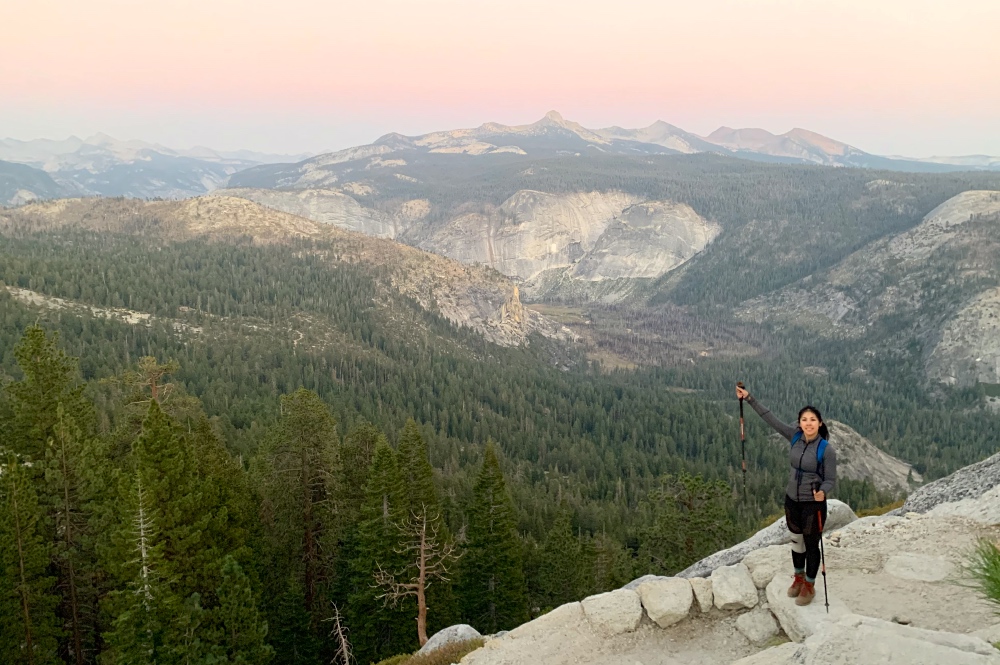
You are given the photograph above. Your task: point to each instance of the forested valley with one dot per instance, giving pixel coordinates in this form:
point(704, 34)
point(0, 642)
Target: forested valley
point(219, 452)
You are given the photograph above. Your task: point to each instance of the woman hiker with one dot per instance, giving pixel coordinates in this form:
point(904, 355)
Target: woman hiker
point(812, 476)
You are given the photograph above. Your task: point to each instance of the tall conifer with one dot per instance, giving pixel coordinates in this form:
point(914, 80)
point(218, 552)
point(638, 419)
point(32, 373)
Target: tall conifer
point(491, 589)
point(241, 629)
point(29, 628)
point(378, 631)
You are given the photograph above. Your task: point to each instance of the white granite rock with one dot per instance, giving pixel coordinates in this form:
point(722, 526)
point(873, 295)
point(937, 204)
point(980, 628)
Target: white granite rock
point(859, 640)
point(800, 621)
point(765, 563)
point(458, 633)
point(757, 625)
point(702, 587)
point(614, 612)
point(733, 587)
point(918, 567)
point(667, 601)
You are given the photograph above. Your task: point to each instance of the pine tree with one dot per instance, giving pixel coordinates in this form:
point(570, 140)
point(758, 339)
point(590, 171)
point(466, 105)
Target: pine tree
point(293, 638)
point(492, 587)
point(379, 632)
point(69, 465)
point(693, 520)
point(145, 609)
point(29, 628)
point(50, 380)
point(164, 461)
point(416, 471)
point(561, 575)
point(241, 630)
point(613, 566)
point(304, 460)
point(187, 633)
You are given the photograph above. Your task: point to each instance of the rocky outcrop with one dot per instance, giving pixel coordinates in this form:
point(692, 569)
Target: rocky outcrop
point(861, 640)
point(968, 351)
point(891, 278)
point(646, 241)
point(966, 492)
point(326, 206)
point(895, 586)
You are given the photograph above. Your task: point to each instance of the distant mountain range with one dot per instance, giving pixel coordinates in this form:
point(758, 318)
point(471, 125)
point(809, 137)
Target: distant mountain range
point(554, 136)
point(104, 166)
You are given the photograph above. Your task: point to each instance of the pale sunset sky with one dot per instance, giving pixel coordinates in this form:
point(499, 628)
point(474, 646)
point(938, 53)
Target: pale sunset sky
point(909, 77)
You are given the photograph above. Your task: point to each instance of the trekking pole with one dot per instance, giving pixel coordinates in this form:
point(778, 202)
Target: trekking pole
point(822, 554)
point(743, 445)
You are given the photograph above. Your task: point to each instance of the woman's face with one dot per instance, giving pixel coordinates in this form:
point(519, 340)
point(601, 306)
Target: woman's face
point(809, 424)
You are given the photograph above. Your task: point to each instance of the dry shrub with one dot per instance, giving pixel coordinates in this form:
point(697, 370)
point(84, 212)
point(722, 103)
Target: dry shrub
point(881, 510)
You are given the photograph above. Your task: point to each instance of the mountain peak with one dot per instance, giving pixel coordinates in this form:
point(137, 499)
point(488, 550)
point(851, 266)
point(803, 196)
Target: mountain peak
point(554, 116)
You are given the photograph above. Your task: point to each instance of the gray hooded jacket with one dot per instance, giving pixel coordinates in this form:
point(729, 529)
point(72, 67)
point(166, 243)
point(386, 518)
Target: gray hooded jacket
point(804, 476)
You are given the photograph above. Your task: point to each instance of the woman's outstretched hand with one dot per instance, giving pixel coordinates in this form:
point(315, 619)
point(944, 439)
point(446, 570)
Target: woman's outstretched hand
point(742, 393)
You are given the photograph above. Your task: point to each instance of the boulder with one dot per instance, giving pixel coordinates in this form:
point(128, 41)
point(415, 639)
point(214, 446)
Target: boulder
point(757, 625)
point(733, 588)
point(799, 622)
point(839, 514)
point(458, 633)
point(614, 612)
point(667, 601)
point(767, 562)
point(859, 640)
point(702, 587)
point(565, 619)
point(918, 567)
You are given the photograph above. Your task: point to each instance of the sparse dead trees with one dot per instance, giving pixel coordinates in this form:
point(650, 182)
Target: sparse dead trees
point(428, 556)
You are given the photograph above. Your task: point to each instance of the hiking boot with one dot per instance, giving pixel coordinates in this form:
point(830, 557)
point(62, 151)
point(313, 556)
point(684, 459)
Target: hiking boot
point(806, 594)
point(796, 587)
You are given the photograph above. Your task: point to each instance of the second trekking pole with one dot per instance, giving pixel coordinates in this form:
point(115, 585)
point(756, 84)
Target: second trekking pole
point(822, 554)
point(743, 445)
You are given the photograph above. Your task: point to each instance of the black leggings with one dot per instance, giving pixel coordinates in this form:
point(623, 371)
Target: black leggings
point(805, 553)
point(803, 519)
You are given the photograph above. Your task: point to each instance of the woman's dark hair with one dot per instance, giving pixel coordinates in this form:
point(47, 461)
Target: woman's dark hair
point(823, 431)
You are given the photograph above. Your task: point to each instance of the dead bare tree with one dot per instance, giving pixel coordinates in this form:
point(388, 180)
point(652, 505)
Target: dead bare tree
point(428, 558)
point(342, 654)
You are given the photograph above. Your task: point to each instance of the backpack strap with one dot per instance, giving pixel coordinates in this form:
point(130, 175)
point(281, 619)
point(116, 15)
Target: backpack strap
point(820, 451)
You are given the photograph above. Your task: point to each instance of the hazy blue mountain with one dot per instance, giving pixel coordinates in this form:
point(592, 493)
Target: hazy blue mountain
point(20, 184)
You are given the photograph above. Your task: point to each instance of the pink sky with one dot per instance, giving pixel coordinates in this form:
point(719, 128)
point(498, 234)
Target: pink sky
point(890, 76)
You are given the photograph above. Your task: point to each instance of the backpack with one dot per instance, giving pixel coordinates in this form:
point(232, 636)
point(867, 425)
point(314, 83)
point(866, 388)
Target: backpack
point(820, 450)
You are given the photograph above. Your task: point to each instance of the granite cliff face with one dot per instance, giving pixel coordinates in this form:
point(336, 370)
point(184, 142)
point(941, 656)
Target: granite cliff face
point(940, 276)
point(582, 236)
